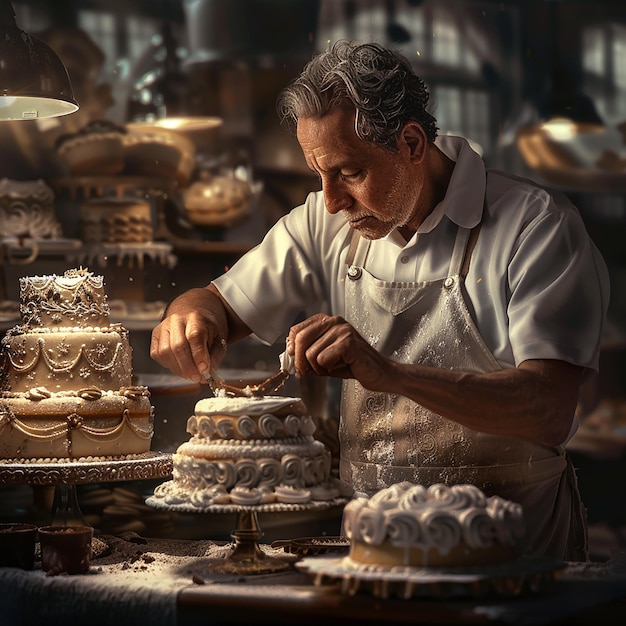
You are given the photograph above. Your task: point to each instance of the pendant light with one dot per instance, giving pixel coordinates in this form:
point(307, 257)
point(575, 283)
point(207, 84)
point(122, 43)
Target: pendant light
point(34, 83)
point(163, 95)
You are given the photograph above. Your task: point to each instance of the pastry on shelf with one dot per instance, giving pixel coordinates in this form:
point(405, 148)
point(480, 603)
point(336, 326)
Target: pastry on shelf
point(159, 152)
point(218, 200)
point(102, 148)
point(115, 220)
point(27, 210)
point(97, 148)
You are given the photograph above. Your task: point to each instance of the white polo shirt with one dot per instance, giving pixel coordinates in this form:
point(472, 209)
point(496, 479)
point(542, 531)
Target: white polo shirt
point(537, 286)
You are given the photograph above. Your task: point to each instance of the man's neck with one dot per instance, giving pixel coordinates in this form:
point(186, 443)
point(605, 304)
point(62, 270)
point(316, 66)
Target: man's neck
point(406, 232)
point(440, 169)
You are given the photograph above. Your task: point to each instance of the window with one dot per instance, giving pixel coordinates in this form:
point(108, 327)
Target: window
point(604, 64)
point(446, 47)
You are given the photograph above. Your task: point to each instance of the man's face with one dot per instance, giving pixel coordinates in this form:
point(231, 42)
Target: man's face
point(377, 190)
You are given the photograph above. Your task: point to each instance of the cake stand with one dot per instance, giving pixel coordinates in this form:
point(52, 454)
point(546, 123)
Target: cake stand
point(511, 579)
point(63, 476)
point(246, 556)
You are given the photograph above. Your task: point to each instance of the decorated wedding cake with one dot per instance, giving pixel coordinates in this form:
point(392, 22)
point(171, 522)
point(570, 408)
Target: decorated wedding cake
point(66, 386)
point(249, 451)
point(437, 526)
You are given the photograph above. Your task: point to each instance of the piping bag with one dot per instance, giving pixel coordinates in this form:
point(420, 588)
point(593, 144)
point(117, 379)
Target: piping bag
point(269, 385)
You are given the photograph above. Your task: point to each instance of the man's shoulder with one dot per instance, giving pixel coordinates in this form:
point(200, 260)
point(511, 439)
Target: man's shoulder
point(504, 188)
point(311, 226)
point(314, 215)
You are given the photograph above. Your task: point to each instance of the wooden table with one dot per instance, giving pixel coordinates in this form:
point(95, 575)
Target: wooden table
point(170, 582)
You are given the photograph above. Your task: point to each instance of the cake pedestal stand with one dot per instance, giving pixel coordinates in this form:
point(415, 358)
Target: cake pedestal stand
point(63, 476)
point(247, 556)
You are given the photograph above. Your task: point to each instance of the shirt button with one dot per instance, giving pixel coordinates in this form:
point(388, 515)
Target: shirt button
point(448, 282)
point(404, 260)
point(354, 272)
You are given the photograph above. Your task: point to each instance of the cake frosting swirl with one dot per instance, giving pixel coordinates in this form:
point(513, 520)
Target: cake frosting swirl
point(440, 525)
point(247, 451)
point(27, 210)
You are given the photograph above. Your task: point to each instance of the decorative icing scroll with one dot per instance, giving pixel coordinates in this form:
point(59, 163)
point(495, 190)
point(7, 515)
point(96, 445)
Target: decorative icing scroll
point(17, 361)
point(86, 393)
point(74, 421)
point(77, 295)
point(291, 470)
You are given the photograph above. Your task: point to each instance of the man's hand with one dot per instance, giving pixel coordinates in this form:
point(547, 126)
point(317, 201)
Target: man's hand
point(191, 341)
point(189, 344)
point(329, 346)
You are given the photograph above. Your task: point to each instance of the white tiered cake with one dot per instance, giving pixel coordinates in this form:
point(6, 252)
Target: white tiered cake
point(248, 451)
point(66, 376)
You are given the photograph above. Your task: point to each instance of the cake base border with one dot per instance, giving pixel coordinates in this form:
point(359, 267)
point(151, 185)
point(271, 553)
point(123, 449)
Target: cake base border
point(525, 574)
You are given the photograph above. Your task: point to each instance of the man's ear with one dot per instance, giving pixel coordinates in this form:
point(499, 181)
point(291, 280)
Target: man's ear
point(414, 137)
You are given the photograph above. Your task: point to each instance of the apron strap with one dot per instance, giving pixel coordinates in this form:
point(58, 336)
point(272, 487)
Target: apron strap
point(354, 242)
point(458, 252)
point(463, 268)
point(473, 238)
point(357, 252)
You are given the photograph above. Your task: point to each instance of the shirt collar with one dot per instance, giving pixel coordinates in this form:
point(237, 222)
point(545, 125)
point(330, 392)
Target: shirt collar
point(464, 199)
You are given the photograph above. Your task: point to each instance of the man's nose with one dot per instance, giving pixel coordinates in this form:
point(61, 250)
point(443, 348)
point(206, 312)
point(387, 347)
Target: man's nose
point(335, 198)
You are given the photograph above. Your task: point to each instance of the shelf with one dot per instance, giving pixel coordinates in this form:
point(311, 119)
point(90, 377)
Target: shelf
point(194, 247)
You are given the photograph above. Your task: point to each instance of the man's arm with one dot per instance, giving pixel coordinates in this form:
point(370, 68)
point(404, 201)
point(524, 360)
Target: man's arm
point(191, 340)
point(536, 400)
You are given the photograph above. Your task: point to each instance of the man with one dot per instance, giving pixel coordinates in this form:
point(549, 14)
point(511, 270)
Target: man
point(466, 308)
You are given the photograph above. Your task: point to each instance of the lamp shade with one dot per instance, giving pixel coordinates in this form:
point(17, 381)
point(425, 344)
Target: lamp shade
point(33, 81)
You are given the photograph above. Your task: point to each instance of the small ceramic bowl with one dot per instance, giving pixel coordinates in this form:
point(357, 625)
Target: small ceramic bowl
point(65, 549)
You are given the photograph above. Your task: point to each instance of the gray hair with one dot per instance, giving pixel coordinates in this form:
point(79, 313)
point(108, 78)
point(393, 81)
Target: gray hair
point(379, 83)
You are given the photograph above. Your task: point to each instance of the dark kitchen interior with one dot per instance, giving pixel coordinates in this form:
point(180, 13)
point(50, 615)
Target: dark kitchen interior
point(499, 74)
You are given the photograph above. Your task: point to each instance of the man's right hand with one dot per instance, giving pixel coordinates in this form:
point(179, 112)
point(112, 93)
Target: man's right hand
point(191, 340)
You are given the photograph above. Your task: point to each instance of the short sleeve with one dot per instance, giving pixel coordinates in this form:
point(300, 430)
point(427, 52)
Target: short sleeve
point(559, 291)
point(290, 273)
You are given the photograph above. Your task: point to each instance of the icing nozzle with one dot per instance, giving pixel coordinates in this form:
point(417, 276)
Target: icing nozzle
point(287, 363)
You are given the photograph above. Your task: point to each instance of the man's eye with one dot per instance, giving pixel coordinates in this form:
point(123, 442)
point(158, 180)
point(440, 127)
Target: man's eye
point(350, 174)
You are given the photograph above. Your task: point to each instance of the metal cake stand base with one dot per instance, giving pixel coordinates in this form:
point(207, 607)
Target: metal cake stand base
point(247, 557)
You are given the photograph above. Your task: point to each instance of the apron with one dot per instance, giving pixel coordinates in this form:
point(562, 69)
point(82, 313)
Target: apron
point(386, 438)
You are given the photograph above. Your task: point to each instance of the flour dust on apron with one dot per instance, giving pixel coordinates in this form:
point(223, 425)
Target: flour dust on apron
point(387, 438)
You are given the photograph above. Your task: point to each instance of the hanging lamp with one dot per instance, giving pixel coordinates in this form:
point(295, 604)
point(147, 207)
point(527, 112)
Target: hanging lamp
point(34, 83)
